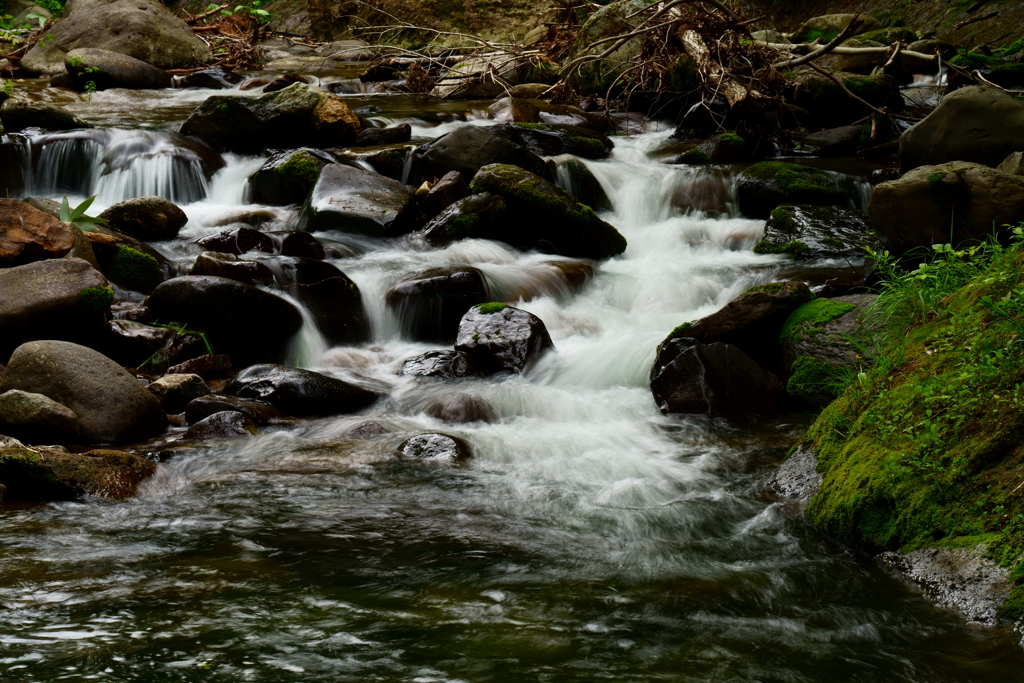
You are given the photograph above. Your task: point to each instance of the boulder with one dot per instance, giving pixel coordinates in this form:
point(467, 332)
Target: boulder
point(480, 77)
point(431, 303)
point(27, 234)
point(714, 379)
point(239, 241)
point(105, 69)
point(53, 299)
point(259, 412)
point(354, 200)
point(211, 79)
point(864, 63)
point(146, 218)
point(722, 148)
point(17, 115)
point(287, 177)
point(806, 231)
point(130, 263)
point(834, 142)
point(299, 392)
point(47, 206)
point(550, 140)
point(227, 424)
point(229, 266)
point(928, 46)
point(449, 189)
point(131, 343)
point(551, 218)
point(826, 27)
point(54, 474)
point(143, 29)
point(332, 298)
point(207, 366)
point(577, 180)
point(435, 448)
point(112, 407)
point(392, 135)
point(389, 162)
point(831, 107)
point(751, 322)
point(953, 203)
point(468, 149)
point(482, 216)
point(502, 338)
point(763, 186)
point(977, 124)
point(177, 391)
point(446, 365)
point(304, 245)
point(825, 342)
point(248, 324)
point(35, 418)
point(514, 109)
point(460, 409)
point(300, 115)
point(1012, 165)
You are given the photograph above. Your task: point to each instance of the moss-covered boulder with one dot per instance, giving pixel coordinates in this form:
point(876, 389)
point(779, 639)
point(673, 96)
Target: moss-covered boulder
point(480, 216)
point(17, 115)
point(501, 338)
point(816, 232)
point(146, 218)
point(554, 139)
point(431, 303)
point(355, 200)
point(468, 149)
point(546, 217)
point(832, 107)
point(287, 177)
point(956, 203)
point(890, 35)
point(826, 27)
point(44, 474)
point(824, 344)
point(1008, 74)
point(581, 183)
point(767, 184)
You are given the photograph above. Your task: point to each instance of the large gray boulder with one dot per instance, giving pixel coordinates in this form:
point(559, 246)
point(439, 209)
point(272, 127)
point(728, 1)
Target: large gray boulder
point(502, 338)
point(106, 69)
point(299, 392)
point(17, 115)
point(468, 149)
point(142, 29)
point(34, 418)
point(978, 124)
point(355, 200)
point(111, 405)
point(952, 203)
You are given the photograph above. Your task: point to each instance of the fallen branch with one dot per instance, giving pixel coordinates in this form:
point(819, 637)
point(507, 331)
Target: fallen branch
point(838, 81)
point(854, 24)
point(193, 18)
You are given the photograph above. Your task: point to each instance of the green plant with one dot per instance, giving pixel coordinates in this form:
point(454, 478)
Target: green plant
point(37, 18)
point(77, 217)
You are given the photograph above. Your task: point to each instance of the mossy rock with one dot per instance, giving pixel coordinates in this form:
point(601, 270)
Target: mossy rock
point(583, 185)
point(131, 268)
point(767, 184)
point(815, 381)
point(50, 474)
point(288, 177)
point(832, 107)
point(826, 27)
point(888, 36)
point(816, 232)
point(694, 157)
point(1001, 72)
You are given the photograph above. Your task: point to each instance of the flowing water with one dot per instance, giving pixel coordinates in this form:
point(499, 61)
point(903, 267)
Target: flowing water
point(591, 538)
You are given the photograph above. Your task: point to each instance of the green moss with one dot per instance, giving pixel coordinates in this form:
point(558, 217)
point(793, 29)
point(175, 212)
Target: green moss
point(794, 178)
point(997, 70)
point(588, 148)
point(694, 157)
point(135, 270)
point(935, 178)
point(733, 141)
point(794, 248)
point(888, 36)
point(534, 126)
point(782, 220)
point(813, 315)
point(770, 288)
point(681, 330)
point(683, 75)
point(493, 307)
point(300, 166)
point(815, 381)
point(823, 35)
point(95, 301)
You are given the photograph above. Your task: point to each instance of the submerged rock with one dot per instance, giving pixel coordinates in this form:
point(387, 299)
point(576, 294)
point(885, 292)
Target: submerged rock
point(435, 448)
point(430, 304)
point(446, 365)
point(767, 184)
point(502, 338)
point(816, 232)
point(469, 149)
point(460, 409)
point(355, 200)
point(239, 241)
point(211, 79)
point(299, 392)
point(52, 474)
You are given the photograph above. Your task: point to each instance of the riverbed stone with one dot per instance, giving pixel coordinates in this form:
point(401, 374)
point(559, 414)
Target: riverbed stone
point(46, 474)
point(767, 184)
point(230, 266)
point(355, 200)
point(260, 412)
point(17, 115)
point(435, 448)
point(106, 69)
point(826, 27)
point(806, 231)
point(146, 218)
point(392, 135)
point(112, 407)
point(300, 392)
point(207, 366)
point(833, 142)
point(247, 323)
point(449, 189)
point(548, 140)
point(460, 408)
point(582, 184)
point(176, 391)
point(131, 343)
point(551, 219)
point(287, 177)
point(481, 216)
point(211, 79)
point(239, 241)
point(431, 303)
point(502, 338)
point(332, 298)
point(956, 203)
point(446, 365)
point(227, 424)
point(28, 234)
point(35, 418)
point(468, 149)
point(832, 107)
point(514, 109)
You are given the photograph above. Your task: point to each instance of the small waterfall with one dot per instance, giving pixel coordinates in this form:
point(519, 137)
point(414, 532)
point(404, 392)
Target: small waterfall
point(307, 347)
point(407, 166)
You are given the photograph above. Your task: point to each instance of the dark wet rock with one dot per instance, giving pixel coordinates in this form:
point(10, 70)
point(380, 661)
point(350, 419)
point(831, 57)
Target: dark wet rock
point(302, 245)
point(822, 341)
point(142, 29)
point(211, 79)
point(331, 296)
point(254, 83)
point(248, 324)
point(460, 409)
point(816, 232)
point(797, 477)
point(435, 448)
point(389, 162)
point(28, 234)
point(480, 216)
point(928, 46)
point(551, 218)
point(17, 115)
point(446, 365)
point(259, 412)
point(53, 474)
point(502, 338)
point(430, 304)
point(751, 322)
point(105, 69)
point(227, 424)
point(287, 177)
point(722, 148)
point(132, 343)
point(146, 218)
point(283, 82)
point(392, 135)
point(955, 203)
point(975, 124)
point(239, 241)
point(207, 366)
point(299, 392)
point(300, 115)
point(131, 263)
point(47, 206)
point(367, 430)
point(716, 380)
point(230, 266)
point(354, 200)
point(35, 418)
point(766, 184)
point(606, 24)
point(12, 166)
point(827, 26)
point(831, 107)
point(342, 88)
point(253, 218)
point(449, 189)
point(554, 139)
point(469, 149)
point(110, 404)
point(834, 142)
point(176, 391)
point(514, 109)
point(52, 299)
point(583, 185)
